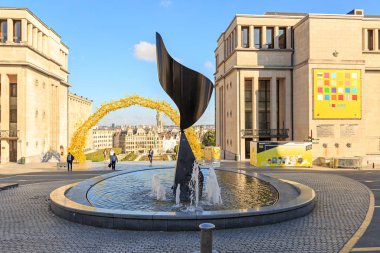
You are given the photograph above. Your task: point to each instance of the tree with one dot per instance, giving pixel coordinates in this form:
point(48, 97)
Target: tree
point(176, 149)
point(209, 138)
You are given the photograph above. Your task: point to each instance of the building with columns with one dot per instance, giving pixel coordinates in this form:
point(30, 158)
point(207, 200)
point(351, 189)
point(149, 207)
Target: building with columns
point(34, 87)
point(297, 77)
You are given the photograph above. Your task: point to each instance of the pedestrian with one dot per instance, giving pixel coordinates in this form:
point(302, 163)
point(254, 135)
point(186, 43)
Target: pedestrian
point(150, 155)
point(105, 154)
point(70, 159)
point(112, 152)
point(114, 160)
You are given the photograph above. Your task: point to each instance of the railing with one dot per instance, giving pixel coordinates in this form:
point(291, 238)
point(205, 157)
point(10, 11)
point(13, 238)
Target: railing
point(265, 133)
point(9, 134)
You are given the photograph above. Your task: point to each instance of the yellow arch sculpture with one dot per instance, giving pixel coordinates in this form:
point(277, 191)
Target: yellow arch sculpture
point(78, 141)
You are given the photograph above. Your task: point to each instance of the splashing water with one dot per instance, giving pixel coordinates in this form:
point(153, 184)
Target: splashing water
point(194, 185)
point(213, 195)
point(158, 189)
point(177, 194)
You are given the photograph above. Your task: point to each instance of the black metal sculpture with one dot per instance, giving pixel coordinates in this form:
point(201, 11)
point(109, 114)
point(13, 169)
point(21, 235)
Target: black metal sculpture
point(191, 92)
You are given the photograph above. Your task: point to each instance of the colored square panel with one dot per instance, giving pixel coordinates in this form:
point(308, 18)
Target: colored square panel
point(340, 90)
point(320, 82)
point(333, 97)
point(354, 83)
point(333, 82)
point(347, 90)
point(347, 83)
point(327, 82)
point(333, 75)
point(327, 97)
point(320, 97)
point(333, 105)
point(355, 97)
point(327, 90)
point(333, 90)
point(347, 76)
point(347, 97)
point(354, 75)
point(319, 74)
point(340, 83)
point(320, 90)
point(340, 97)
point(327, 75)
point(354, 90)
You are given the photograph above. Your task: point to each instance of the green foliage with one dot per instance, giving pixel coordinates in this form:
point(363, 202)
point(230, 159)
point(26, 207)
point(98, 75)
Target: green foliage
point(129, 157)
point(98, 156)
point(176, 149)
point(209, 138)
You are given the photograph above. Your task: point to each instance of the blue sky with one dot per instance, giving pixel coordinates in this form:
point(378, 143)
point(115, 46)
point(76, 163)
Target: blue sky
point(109, 41)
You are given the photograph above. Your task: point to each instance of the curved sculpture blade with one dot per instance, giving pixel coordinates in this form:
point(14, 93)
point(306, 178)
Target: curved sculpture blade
point(191, 91)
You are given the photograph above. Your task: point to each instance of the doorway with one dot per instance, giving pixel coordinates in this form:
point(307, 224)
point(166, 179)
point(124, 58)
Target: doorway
point(13, 151)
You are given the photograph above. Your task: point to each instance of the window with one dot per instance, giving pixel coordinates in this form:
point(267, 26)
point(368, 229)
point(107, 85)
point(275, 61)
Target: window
point(248, 103)
point(17, 31)
point(264, 104)
point(3, 31)
point(378, 39)
point(282, 37)
point(13, 90)
point(270, 37)
point(257, 37)
point(370, 39)
point(245, 37)
point(13, 115)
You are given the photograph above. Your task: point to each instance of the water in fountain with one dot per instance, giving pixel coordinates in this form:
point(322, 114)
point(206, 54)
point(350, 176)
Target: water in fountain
point(177, 192)
point(157, 189)
point(213, 195)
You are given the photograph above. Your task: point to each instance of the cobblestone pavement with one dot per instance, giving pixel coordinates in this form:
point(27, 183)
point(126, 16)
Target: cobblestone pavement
point(27, 224)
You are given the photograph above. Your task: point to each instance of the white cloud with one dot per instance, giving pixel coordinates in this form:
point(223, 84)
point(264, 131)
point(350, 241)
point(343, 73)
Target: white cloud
point(145, 51)
point(209, 65)
point(166, 3)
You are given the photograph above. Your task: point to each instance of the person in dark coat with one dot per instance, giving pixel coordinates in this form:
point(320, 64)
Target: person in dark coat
point(70, 159)
point(113, 161)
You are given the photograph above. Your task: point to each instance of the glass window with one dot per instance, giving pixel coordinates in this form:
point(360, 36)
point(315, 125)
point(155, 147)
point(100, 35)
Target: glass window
point(257, 37)
point(370, 39)
point(13, 90)
point(248, 103)
point(17, 31)
point(13, 115)
point(245, 37)
point(3, 31)
point(270, 37)
point(282, 37)
point(264, 104)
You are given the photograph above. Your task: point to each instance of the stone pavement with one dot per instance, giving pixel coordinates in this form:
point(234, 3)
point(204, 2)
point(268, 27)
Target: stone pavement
point(27, 224)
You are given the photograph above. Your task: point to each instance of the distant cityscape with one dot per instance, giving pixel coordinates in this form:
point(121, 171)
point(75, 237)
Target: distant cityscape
point(138, 139)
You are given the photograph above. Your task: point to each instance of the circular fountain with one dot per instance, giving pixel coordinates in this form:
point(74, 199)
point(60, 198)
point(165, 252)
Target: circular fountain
point(140, 199)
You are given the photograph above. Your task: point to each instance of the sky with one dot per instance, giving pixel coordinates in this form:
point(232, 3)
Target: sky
point(112, 43)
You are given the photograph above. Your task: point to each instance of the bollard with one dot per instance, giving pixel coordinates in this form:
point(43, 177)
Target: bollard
point(206, 237)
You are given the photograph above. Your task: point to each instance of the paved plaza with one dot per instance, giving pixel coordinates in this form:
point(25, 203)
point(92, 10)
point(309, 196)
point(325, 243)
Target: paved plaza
point(27, 224)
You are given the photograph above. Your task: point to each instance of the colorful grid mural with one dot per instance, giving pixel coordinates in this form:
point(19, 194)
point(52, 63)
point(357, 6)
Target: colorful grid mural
point(337, 94)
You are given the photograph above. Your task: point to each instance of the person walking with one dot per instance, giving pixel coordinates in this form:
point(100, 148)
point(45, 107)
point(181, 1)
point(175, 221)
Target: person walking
point(150, 156)
point(114, 160)
point(105, 154)
point(70, 159)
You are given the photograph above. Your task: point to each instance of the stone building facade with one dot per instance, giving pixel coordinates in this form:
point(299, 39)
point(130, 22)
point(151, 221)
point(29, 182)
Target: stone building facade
point(102, 137)
point(34, 87)
point(79, 109)
point(140, 140)
point(299, 76)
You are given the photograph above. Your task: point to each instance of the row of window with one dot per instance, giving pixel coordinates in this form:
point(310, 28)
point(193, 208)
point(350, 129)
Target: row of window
point(16, 31)
point(371, 39)
point(231, 41)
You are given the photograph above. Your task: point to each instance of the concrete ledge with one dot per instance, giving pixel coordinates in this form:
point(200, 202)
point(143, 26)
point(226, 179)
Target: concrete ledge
point(6, 186)
point(288, 207)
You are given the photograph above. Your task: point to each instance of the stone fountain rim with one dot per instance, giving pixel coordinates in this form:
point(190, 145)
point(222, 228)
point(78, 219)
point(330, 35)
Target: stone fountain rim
point(66, 205)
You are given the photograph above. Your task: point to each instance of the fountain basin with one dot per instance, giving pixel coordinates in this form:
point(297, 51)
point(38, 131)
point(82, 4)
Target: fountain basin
point(71, 202)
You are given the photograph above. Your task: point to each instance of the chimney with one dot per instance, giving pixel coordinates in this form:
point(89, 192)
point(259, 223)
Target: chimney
point(359, 12)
